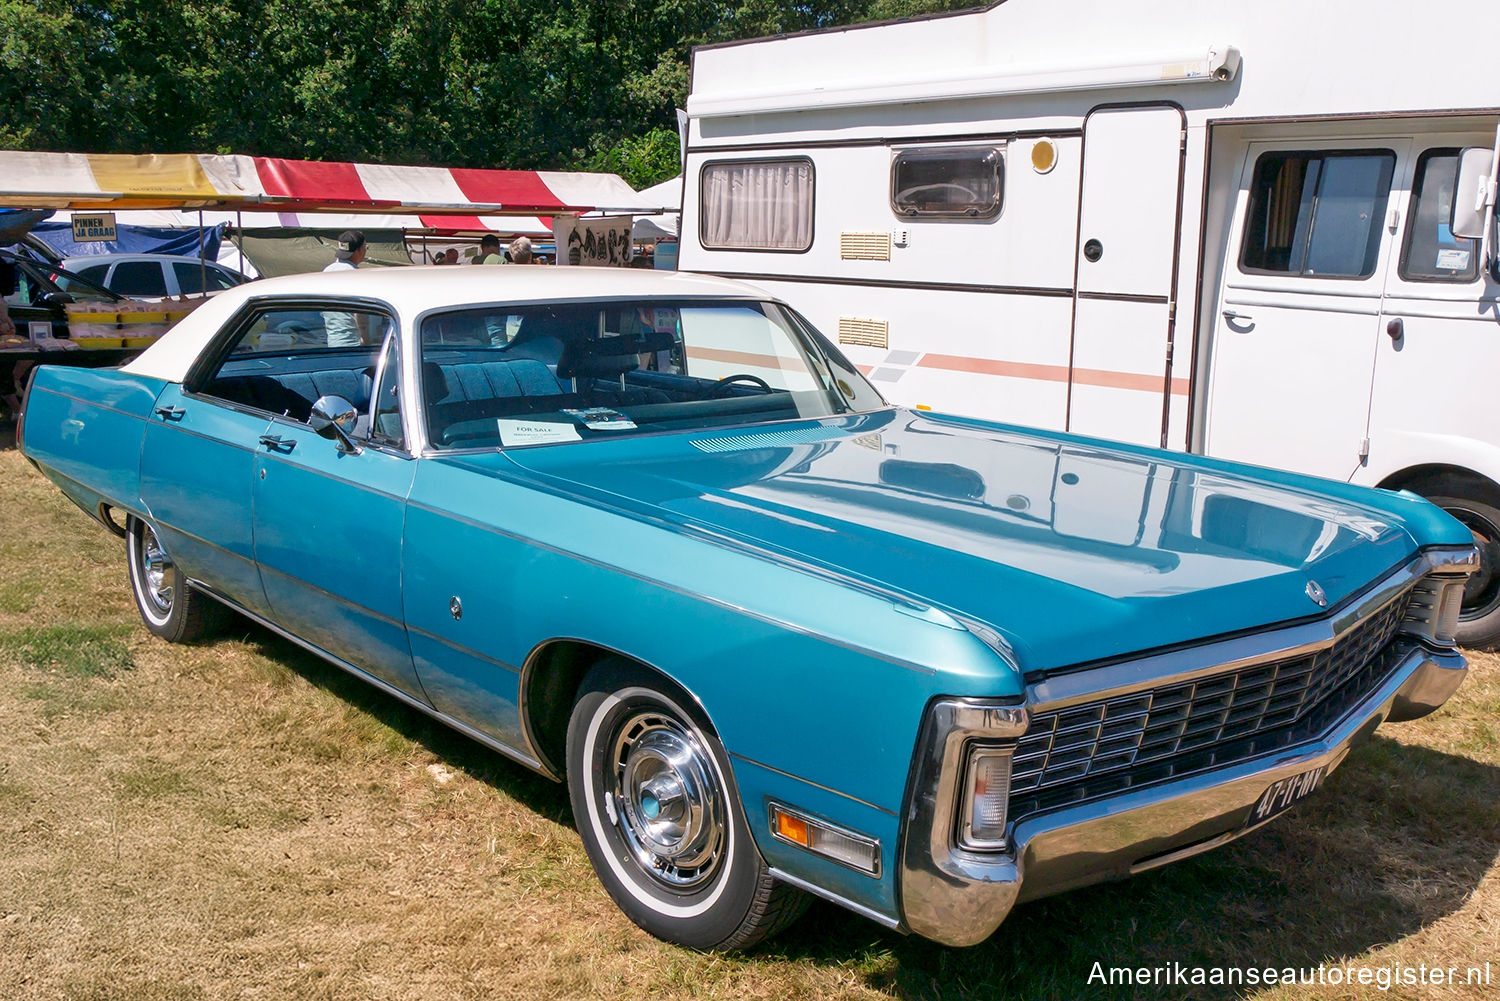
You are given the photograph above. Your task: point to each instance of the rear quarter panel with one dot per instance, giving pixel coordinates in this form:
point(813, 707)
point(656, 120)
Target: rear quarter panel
point(83, 428)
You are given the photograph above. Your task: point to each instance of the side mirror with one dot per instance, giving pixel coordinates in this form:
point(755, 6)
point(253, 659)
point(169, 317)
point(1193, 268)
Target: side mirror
point(1473, 202)
point(334, 418)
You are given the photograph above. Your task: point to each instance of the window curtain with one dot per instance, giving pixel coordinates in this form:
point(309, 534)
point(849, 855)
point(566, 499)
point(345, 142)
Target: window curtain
point(758, 206)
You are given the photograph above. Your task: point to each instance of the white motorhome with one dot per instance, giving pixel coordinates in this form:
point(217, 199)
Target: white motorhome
point(1224, 227)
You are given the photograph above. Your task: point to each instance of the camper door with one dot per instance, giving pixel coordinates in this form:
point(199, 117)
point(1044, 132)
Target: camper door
point(1299, 311)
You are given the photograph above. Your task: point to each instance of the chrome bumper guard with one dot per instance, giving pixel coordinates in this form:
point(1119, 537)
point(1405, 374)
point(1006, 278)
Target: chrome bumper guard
point(960, 897)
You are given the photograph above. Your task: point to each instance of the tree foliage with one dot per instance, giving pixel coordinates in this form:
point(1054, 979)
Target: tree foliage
point(546, 84)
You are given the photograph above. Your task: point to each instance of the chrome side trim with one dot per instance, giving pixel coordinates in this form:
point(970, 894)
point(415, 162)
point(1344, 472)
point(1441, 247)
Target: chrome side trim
point(516, 755)
point(1240, 652)
point(819, 891)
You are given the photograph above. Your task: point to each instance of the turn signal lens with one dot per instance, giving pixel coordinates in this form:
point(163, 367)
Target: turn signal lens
point(845, 847)
point(986, 797)
point(1434, 606)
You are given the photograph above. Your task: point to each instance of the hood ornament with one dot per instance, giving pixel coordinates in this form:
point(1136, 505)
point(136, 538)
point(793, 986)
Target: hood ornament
point(1315, 592)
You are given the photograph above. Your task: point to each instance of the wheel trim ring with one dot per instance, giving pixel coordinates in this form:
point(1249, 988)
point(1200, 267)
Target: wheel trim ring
point(155, 569)
point(594, 803)
point(671, 816)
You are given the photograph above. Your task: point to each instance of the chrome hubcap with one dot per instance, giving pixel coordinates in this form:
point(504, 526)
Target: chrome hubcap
point(155, 565)
point(671, 809)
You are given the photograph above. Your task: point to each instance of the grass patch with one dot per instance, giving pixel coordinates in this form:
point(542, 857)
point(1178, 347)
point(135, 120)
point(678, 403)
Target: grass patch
point(80, 651)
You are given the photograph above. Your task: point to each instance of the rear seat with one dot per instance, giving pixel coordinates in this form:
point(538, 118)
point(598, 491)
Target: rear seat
point(293, 393)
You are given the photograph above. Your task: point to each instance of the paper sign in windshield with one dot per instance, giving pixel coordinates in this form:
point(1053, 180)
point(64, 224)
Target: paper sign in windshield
point(602, 419)
point(514, 432)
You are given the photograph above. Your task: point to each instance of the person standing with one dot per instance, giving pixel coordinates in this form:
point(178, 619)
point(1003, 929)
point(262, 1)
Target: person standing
point(489, 250)
point(520, 251)
point(342, 329)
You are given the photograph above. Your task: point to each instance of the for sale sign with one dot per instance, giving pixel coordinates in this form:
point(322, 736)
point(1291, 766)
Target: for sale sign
point(97, 227)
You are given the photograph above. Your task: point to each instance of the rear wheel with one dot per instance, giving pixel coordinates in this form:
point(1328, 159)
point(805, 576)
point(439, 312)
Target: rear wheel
point(1476, 503)
point(169, 605)
point(659, 815)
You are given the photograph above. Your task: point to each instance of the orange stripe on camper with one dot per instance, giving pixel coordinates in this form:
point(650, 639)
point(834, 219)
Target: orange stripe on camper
point(172, 175)
point(1052, 373)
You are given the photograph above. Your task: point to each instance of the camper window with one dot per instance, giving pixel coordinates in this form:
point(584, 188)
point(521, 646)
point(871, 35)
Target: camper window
point(954, 182)
point(1431, 252)
point(757, 205)
point(1317, 214)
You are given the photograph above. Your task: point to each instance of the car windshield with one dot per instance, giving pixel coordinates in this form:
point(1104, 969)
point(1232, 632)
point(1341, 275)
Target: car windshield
point(548, 373)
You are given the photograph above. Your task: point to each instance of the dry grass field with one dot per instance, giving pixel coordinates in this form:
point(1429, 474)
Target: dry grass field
point(238, 820)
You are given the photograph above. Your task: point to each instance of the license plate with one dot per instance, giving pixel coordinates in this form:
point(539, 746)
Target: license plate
point(1286, 793)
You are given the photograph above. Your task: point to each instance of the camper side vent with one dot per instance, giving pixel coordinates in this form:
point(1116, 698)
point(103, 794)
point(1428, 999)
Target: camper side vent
point(867, 333)
point(865, 246)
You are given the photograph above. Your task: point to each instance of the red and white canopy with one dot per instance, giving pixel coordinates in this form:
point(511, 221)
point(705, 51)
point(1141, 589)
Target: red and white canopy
point(441, 197)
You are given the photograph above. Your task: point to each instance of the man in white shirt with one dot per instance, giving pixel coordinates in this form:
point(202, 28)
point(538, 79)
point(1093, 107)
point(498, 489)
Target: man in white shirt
point(343, 328)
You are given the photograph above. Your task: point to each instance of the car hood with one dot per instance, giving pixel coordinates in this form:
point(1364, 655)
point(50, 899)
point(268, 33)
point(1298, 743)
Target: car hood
point(1071, 549)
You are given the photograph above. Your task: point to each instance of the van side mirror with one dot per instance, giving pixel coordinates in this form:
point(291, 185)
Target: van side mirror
point(1473, 195)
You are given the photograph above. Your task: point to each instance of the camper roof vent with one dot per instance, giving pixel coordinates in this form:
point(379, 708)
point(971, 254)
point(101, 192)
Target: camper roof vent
point(866, 333)
point(873, 246)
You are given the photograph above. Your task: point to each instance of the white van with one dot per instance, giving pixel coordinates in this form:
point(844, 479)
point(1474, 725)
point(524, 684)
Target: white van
point(1223, 227)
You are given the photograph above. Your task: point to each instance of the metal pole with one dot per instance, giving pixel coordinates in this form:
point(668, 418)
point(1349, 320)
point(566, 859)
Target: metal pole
point(202, 264)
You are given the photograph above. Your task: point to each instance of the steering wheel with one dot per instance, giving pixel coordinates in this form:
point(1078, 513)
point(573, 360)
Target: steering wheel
point(717, 389)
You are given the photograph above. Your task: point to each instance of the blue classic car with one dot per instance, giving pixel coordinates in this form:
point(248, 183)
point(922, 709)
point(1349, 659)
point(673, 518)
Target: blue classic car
point(654, 536)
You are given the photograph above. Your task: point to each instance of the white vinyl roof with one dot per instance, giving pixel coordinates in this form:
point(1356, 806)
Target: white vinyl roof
point(410, 292)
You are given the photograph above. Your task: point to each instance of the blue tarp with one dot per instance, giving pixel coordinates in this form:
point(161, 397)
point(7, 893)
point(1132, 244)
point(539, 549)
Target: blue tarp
point(134, 240)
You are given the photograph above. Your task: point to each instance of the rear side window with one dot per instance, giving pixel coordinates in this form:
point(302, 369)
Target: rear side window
point(954, 182)
point(757, 205)
point(143, 278)
point(1431, 252)
point(1317, 214)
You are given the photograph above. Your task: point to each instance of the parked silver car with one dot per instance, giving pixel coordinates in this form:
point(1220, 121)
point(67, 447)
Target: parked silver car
point(153, 276)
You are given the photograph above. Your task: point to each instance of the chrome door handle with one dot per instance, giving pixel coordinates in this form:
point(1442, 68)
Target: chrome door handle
point(1230, 314)
point(170, 413)
point(276, 443)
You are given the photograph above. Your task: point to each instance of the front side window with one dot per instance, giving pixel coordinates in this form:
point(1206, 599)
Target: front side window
point(281, 362)
point(953, 182)
point(1317, 214)
point(1431, 252)
point(190, 278)
point(580, 371)
point(757, 205)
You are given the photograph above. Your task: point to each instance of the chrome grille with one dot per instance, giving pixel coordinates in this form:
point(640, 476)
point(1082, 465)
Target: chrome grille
point(1101, 747)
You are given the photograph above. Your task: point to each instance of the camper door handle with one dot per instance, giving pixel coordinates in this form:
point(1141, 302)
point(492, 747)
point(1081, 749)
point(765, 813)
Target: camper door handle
point(1230, 314)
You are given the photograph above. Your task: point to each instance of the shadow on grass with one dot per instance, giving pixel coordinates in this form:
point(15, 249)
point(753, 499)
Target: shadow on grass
point(536, 793)
point(1399, 837)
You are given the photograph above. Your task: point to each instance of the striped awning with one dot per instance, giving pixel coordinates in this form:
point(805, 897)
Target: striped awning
point(442, 197)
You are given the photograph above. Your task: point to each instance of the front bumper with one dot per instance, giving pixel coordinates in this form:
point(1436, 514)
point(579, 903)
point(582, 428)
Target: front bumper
point(960, 898)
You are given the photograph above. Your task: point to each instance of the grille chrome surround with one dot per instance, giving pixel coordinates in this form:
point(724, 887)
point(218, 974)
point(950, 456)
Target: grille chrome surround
point(1107, 745)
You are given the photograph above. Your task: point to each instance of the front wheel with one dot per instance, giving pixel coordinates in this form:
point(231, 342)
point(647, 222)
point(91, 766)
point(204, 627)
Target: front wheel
point(655, 804)
point(169, 606)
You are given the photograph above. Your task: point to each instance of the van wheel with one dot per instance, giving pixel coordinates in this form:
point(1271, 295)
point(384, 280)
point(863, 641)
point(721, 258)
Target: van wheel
point(658, 812)
point(1477, 505)
point(169, 606)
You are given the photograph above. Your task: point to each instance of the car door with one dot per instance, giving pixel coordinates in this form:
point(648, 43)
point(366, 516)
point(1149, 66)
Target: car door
point(1438, 323)
point(1299, 309)
point(328, 517)
point(197, 461)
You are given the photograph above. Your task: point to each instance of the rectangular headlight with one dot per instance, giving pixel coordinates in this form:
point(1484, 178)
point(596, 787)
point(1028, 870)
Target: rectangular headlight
point(981, 823)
